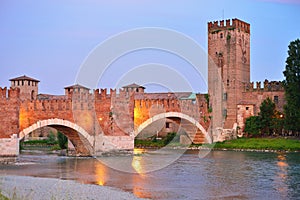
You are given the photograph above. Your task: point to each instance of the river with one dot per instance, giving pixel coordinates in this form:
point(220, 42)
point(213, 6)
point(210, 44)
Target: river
point(219, 175)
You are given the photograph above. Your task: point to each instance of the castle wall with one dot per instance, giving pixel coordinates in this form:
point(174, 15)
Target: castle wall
point(115, 112)
point(229, 49)
point(9, 112)
point(252, 97)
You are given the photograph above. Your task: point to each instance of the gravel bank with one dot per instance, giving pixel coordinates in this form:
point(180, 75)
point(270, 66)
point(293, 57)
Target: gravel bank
point(23, 187)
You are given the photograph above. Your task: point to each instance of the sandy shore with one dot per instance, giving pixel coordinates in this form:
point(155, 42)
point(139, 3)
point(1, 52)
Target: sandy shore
point(23, 187)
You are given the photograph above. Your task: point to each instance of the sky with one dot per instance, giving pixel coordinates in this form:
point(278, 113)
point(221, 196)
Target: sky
point(50, 40)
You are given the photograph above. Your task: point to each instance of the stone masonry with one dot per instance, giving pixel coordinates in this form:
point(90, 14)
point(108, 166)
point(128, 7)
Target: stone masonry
point(100, 121)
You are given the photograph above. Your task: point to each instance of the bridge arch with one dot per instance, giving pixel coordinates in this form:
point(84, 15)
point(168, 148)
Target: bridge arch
point(80, 138)
point(179, 115)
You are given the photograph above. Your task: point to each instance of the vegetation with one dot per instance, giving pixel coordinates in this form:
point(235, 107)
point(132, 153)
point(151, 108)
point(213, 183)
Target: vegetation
point(51, 138)
point(252, 125)
point(2, 197)
point(52, 142)
point(268, 121)
point(266, 115)
point(260, 143)
point(45, 142)
point(276, 143)
point(292, 88)
point(62, 140)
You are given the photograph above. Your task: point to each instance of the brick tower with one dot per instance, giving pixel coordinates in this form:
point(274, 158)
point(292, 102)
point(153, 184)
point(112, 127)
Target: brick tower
point(228, 68)
point(28, 87)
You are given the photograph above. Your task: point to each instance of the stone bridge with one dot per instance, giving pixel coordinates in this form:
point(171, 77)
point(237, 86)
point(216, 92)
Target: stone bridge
point(100, 121)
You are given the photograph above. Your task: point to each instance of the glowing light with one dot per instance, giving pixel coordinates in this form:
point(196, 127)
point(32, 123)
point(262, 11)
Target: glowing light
point(100, 119)
point(101, 174)
point(137, 162)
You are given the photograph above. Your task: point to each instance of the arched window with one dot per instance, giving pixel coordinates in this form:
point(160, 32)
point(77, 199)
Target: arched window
point(32, 95)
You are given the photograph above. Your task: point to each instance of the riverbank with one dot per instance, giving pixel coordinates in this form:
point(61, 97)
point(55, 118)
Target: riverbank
point(240, 144)
point(260, 144)
point(23, 187)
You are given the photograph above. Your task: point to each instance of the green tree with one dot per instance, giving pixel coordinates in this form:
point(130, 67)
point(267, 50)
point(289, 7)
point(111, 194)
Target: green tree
point(266, 115)
point(51, 138)
point(62, 140)
point(252, 125)
point(292, 87)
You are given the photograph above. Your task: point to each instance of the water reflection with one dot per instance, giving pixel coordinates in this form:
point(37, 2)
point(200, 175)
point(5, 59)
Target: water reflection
point(101, 174)
point(137, 161)
point(229, 175)
point(281, 179)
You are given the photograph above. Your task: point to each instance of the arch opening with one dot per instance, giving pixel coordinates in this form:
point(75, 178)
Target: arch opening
point(193, 129)
point(80, 139)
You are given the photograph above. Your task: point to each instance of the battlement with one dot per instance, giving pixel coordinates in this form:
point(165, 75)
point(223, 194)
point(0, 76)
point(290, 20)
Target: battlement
point(9, 93)
point(216, 26)
point(267, 86)
point(113, 93)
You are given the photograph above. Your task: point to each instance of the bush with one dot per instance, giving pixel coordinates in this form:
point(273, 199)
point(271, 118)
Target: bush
point(169, 138)
point(51, 139)
point(62, 140)
point(252, 125)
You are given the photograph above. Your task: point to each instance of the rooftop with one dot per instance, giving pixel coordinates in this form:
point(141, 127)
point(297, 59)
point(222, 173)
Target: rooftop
point(76, 86)
point(23, 78)
point(133, 85)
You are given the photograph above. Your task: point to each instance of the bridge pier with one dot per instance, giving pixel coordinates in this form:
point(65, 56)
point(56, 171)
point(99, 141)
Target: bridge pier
point(9, 149)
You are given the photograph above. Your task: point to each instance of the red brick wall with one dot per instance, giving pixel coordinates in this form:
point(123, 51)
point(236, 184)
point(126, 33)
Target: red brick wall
point(229, 49)
point(9, 112)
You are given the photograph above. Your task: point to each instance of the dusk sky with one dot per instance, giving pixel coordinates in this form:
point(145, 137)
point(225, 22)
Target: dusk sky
point(49, 41)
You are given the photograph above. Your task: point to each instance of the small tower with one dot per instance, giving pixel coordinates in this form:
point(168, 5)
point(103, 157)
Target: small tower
point(134, 88)
point(28, 87)
point(228, 68)
point(76, 91)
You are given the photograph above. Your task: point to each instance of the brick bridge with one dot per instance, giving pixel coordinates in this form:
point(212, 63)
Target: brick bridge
point(96, 122)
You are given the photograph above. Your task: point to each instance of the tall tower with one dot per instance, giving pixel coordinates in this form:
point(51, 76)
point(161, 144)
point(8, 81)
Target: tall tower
point(28, 87)
point(228, 68)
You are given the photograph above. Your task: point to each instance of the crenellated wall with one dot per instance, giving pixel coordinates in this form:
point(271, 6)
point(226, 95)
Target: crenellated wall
point(115, 111)
point(229, 49)
point(254, 95)
point(265, 86)
point(9, 112)
point(228, 25)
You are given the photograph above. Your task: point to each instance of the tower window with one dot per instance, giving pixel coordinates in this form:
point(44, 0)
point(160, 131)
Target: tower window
point(276, 99)
point(221, 35)
point(227, 82)
point(247, 108)
point(225, 113)
point(225, 96)
point(167, 124)
point(32, 95)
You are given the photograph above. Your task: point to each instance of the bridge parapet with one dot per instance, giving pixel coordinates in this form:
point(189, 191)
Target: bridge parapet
point(145, 108)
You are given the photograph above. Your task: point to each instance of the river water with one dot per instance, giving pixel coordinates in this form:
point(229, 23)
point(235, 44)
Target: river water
point(219, 175)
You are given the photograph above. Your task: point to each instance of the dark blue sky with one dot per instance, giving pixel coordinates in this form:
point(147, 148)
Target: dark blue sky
point(49, 41)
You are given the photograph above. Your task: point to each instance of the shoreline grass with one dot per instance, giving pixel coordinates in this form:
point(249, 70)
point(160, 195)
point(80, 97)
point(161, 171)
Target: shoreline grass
point(2, 197)
point(276, 144)
point(279, 144)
